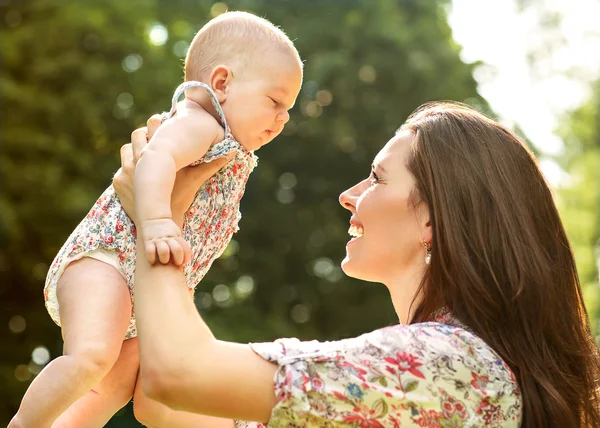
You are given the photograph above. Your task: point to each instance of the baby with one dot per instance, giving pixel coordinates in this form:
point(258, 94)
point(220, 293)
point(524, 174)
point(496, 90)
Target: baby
point(242, 75)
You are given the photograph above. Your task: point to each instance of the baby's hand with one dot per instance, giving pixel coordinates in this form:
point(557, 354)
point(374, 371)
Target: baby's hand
point(163, 237)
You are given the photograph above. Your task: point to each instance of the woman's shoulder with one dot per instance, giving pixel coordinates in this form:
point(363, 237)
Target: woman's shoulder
point(428, 338)
point(432, 338)
point(430, 352)
point(420, 371)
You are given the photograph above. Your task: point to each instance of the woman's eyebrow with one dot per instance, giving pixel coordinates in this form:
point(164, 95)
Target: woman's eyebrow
point(378, 166)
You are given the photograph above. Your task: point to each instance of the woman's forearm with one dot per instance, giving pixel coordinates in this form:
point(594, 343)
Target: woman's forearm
point(182, 364)
point(171, 332)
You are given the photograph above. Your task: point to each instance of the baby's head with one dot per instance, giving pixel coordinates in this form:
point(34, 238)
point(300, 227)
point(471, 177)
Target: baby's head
point(254, 69)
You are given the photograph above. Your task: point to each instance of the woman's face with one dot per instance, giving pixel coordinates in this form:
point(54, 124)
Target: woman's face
point(388, 230)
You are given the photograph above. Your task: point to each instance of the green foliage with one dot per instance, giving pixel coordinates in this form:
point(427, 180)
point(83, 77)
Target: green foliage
point(579, 199)
point(72, 95)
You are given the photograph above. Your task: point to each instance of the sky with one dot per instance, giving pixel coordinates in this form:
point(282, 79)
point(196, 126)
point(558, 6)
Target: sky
point(497, 33)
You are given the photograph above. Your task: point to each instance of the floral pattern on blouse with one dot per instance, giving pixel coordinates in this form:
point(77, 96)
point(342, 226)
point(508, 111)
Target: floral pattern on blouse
point(209, 223)
point(421, 375)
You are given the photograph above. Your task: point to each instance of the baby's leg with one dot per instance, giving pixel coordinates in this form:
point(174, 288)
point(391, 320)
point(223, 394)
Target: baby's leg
point(95, 309)
point(100, 404)
point(153, 414)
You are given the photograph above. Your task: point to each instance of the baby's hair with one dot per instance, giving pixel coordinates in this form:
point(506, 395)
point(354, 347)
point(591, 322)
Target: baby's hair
point(234, 37)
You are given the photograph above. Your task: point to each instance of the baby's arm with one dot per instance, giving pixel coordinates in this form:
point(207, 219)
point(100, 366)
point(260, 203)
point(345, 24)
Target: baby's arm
point(177, 143)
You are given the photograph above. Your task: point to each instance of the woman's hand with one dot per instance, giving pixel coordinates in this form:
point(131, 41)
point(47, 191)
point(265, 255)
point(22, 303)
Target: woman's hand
point(187, 181)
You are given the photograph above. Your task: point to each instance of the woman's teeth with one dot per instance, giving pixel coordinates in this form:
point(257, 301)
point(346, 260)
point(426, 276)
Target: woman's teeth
point(355, 231)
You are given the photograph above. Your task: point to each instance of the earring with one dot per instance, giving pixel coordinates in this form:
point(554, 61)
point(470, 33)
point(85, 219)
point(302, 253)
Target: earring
point(427, 252)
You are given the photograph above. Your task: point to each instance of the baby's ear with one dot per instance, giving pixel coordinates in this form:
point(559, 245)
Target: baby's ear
point(220, 80)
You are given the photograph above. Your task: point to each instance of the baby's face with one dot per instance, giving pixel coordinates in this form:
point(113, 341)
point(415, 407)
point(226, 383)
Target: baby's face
point(258, 101)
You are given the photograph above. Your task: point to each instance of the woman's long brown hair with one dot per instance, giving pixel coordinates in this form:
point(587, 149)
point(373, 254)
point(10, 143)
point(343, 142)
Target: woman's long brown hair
point(501, 260)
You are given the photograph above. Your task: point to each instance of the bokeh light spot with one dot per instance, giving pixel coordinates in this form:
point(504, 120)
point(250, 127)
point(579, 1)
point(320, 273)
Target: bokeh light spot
point(40, 355)
point(132, 63)
point(288, 180)
point(367, 74)
point(158, 34)
point(22, 373)
point(180, 48)
point(300, 313)
point(17, 324)
point(244, 286)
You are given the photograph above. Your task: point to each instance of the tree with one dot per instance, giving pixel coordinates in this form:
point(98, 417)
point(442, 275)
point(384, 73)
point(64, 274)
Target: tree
point(579, 195)
point(579, 200)
point(80, 76)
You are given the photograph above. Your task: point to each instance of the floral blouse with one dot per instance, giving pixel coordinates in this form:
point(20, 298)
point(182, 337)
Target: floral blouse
point(425, 375)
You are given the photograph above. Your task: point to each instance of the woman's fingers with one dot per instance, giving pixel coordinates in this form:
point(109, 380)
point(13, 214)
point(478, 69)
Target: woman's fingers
point(141, 136)
point(153, 124)
point(201, 173)
point(126, 155)
point(122, 180)
point(138, 142)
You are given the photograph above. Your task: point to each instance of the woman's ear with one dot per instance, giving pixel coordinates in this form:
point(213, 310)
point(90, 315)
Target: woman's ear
point(424, 220)
point(220, 81)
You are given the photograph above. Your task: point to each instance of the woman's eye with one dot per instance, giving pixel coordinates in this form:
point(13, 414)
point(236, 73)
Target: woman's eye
point(374, 177)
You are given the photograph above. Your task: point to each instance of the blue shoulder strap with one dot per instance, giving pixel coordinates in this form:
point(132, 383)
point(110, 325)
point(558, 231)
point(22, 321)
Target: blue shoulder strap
point(215, 102)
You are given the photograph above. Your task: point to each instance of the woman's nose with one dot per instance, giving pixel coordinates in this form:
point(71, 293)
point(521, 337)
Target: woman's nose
point(348, 198)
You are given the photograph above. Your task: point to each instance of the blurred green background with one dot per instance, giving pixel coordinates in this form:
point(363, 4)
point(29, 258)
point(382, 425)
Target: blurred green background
point(78, 76)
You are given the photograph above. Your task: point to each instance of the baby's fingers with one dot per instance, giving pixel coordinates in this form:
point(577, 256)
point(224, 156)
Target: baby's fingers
point(164, 253)
point(187, 251)
point(176, 251)
point(150, 249)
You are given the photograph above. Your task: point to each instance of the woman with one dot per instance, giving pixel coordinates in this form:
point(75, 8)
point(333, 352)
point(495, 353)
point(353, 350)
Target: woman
point(458, 222)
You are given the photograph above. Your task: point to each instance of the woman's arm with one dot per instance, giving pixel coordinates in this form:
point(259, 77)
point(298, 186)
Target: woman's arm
point(182, 364)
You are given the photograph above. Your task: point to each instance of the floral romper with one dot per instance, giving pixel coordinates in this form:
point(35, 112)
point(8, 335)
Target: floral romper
point(208, 226)
point(434, 374)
